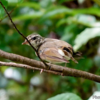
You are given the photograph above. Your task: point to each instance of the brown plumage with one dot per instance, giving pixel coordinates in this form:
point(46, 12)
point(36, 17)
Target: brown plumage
point(53, 50)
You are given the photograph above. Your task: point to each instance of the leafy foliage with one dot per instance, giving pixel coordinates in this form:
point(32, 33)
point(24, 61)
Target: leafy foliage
point(74, 21)
point(1, 9)
point(88, 34)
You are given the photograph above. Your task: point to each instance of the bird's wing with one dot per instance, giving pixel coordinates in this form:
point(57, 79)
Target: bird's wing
point(54, 45)
point(57, 42)
point(52, 55)
point(69, 53)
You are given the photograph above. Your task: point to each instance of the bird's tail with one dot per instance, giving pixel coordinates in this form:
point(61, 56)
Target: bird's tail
point(77, 54)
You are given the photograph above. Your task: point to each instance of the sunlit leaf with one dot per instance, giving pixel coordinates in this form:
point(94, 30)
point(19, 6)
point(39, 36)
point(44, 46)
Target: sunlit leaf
point(30, 4)
point(56, 12)
point(66, 96)
point(12, 2)
point(87, 20)
point(93, 11)
point(46, 4)
point(85, 36)
point(60, 12)
point(31, 15)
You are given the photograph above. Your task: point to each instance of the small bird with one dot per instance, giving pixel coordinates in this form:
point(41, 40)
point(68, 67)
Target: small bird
point(52, 50)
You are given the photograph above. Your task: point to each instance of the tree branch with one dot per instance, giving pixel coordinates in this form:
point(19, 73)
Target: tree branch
point(55, 69)
point(26, 66)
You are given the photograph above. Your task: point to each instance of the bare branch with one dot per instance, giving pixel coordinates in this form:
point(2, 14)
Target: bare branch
point(27, 67)
point(55, 69)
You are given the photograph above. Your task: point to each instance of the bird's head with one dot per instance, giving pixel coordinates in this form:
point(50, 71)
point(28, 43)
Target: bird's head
point(35, 39)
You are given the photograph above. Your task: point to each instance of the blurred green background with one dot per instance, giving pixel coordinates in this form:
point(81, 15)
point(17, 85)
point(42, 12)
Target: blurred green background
point(74, 21)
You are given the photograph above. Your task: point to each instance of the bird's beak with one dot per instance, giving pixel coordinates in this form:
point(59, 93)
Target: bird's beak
point(25, 42)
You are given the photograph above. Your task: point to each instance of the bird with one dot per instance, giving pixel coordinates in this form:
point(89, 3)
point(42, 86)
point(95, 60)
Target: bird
point(52, 50)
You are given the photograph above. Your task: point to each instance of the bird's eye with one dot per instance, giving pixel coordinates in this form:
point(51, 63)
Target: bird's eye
point(34, 38)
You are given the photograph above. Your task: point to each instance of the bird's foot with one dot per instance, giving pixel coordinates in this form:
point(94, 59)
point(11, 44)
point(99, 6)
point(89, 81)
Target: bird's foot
point(41, 71)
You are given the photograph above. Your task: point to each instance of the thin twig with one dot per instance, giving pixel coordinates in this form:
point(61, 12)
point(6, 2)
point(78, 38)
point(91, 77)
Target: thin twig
point(9, 13)
point(21, 33)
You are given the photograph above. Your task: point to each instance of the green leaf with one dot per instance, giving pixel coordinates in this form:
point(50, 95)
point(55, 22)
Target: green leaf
point(12, 2)
point(82, 19)
point(62, 1)
point(56, 12)
point(68, 33)
point(31, 15)
point(93, 11)
point(85, 36)
point(66, 96)
point(87, 20)
point(46, 4)
point(60, 11)
point(30, 4)
point(60, 22)
point(20, 1)
point(2, 12)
